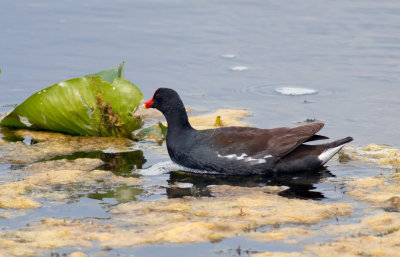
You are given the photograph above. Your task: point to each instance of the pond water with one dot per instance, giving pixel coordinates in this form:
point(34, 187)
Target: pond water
point(216, 54)
point(348, 51)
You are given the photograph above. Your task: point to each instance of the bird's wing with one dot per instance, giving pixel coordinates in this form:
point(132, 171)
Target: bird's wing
point(286, 140)
point(316, 137)
point(260, 142)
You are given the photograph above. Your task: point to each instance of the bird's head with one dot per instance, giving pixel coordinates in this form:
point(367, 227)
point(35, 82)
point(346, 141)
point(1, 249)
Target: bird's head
point(164, 100)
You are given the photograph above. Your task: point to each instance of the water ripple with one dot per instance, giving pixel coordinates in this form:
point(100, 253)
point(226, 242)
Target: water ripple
point(168, 166)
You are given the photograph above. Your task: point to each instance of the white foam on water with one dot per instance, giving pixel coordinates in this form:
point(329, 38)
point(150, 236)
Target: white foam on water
point(229, 56)
point(168, 166)
point(295, 91)
point(184, 185)
point(239, 68)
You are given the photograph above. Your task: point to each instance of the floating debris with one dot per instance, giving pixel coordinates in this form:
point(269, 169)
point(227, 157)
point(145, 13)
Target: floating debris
point(240, 68)
point(218, 122)
point(295, 91)
point(309, 120)
point(343, 157)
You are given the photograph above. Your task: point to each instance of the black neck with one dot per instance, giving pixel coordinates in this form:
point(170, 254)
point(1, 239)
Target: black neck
point(177, 118)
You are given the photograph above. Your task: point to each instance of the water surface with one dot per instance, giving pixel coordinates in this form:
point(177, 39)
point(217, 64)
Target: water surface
point(347, 51)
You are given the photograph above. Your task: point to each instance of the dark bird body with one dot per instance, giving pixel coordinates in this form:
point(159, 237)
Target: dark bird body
point(240, 150)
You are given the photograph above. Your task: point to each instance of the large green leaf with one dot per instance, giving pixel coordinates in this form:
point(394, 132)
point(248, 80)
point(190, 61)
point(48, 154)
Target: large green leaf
point(110, 74)
point(82, 106)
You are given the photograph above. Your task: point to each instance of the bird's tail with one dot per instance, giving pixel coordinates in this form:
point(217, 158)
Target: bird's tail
point(332, 148)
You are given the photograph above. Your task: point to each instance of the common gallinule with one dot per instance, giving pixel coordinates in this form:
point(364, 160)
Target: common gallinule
point(240, 150)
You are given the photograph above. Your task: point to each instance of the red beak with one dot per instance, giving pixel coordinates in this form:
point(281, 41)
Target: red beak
point(148, 104)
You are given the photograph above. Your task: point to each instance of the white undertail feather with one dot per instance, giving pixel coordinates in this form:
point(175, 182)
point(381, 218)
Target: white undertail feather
point(329, 153)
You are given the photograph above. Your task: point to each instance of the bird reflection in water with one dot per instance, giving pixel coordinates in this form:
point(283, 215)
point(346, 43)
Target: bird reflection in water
point(300, 185)
point(120, 163)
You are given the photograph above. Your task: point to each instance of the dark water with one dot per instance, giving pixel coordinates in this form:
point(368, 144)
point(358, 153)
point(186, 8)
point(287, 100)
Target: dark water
point(346, 50)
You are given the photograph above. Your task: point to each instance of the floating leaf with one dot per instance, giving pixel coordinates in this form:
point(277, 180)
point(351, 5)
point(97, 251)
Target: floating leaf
point(110, 74)
point(156, 132)
point(82, 106)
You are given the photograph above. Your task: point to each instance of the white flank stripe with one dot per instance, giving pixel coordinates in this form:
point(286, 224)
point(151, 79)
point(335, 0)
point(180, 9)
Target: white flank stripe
point(243, 157)
point(329, 153)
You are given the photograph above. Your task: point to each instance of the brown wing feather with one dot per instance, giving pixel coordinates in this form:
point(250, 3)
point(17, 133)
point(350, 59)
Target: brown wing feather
point(284, 141)
point(260, 142)
point(316, 137)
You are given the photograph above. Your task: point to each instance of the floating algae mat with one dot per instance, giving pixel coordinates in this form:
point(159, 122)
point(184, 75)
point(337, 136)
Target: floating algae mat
point(384, 156)
point(375, 235)
point(233, 211)
point(150, 210)
point(47, 145)
point(378, 232)
point(44, 177)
